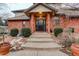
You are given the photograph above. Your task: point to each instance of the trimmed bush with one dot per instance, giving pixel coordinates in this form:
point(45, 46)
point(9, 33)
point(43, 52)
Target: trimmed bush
point(14, 32)
point(57, 31)
point(25, 32)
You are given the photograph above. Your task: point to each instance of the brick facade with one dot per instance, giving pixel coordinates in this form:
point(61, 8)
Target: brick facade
point(17, 24)
point(65, 23)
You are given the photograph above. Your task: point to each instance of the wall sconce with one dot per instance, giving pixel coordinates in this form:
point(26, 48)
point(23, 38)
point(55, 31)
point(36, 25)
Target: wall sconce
point(24, 23)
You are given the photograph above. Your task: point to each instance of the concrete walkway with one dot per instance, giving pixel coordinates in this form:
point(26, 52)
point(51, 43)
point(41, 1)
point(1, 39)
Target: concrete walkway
point(29, 52)
point(40, 44)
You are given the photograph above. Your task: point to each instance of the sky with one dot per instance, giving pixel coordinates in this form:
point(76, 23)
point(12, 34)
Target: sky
point(17, 6)
point(6, 8)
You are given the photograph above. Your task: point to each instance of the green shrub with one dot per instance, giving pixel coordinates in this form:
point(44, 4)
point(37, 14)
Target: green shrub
point(26, 32)
point(57, 31)
point(14, 32)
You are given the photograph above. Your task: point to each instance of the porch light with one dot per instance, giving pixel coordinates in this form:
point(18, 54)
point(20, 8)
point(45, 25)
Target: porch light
point(24, 23)
point(40, 12)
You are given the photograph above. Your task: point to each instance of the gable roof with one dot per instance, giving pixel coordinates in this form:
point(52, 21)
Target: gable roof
point(68, 12)
point(43, 4)
point(20, 17)
point(17, 11)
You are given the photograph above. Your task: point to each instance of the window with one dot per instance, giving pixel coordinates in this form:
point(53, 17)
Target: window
point(56, 20)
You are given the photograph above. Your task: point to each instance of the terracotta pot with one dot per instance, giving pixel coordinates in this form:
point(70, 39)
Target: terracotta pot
point(75, 49)
point(4, 48)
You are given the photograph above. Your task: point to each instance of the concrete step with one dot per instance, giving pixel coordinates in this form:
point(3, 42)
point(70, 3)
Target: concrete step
point(40, 40)
point(43, 45)
point(40, 36)
point(40, 33)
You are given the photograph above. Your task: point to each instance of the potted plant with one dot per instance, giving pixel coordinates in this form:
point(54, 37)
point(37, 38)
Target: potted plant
point(75, 48)
point(4, 46)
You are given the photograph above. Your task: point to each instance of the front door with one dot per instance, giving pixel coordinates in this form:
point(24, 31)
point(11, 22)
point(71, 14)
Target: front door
point(40, 25)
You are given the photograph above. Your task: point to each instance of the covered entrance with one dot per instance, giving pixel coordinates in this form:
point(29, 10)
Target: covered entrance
point(40, 24)
point(40, 17)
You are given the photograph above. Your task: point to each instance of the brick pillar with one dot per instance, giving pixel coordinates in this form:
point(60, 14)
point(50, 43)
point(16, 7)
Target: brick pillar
point(48, 23)
point(32, 23)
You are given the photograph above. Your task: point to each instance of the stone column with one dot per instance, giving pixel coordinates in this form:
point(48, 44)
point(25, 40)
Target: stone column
point(48, 23)
point(32, 23)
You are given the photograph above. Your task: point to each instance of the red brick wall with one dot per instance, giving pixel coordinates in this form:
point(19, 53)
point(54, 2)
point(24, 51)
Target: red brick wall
point(66, 23)
point(74, 23)
point(27, 24)
point(17, 24)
